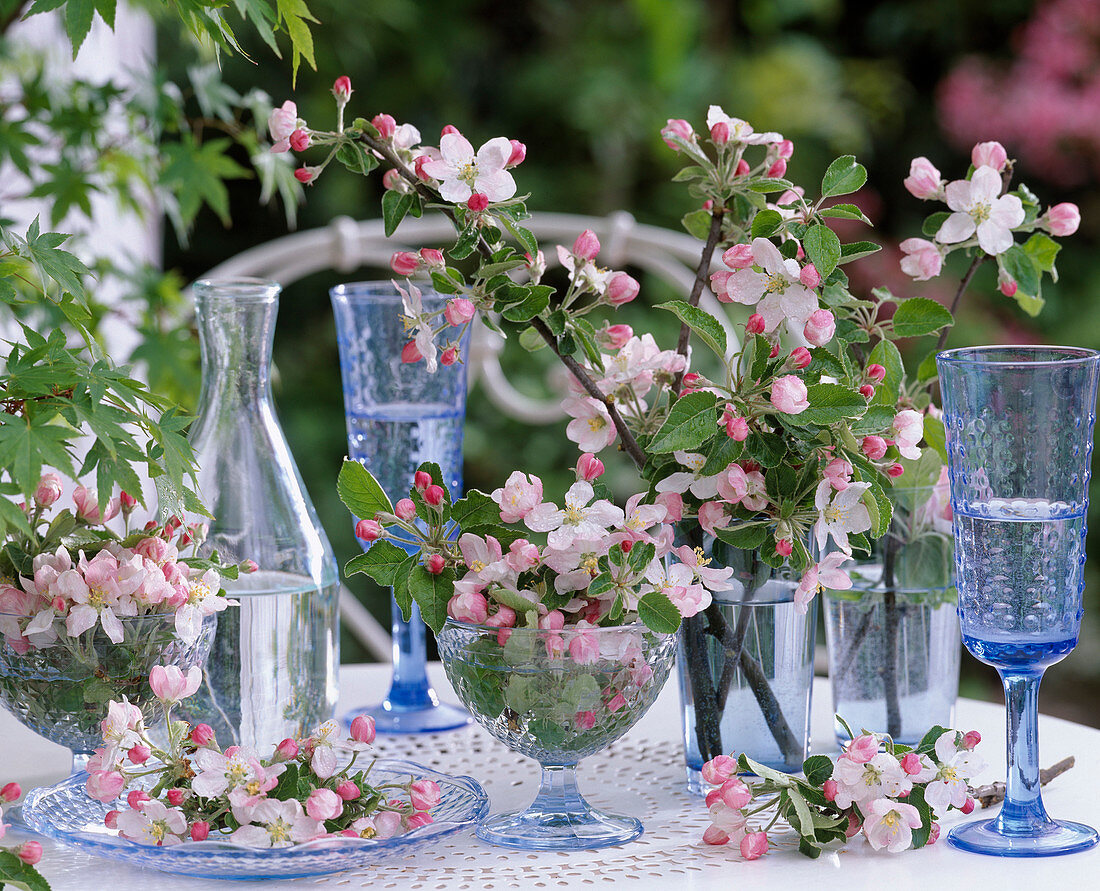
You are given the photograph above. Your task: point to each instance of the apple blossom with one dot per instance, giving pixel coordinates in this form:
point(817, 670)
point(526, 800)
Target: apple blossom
point(924, 180)
point(518, 497)
point(362, 729)
point(739, 256)
point(1006, 284)
point(839, 473)
point(890, 824)
point(435, 564)
point(740, 131)
point(866, 391)
point(591, 428)
point(200, 831)
point(405, 509)
point(368, 530)
point(800, 357)
point(923, 259)
point(876, 373)
point(820, 327)
point(677, 127)
point(48, 490)
point(324, 804)
point(874, 447)
point(281, 124)
point(341, 88)
point(1062, 219)
point(860, 782)
point(11, 792)
point(789, 394)
point(277, 824)
point(288, 748)
point(754, 845)
point(826, 574)
point(777, 292)
point(201, 734)
point(306, 175)
point(755, 324)
point(29, 852)
point(405, 262)
point(840, 513)
point(459, 311)
point(909, 430)
point(895, 470)
point(979, 208)
point(989, 154)
point(462, 173)
point(621, 288)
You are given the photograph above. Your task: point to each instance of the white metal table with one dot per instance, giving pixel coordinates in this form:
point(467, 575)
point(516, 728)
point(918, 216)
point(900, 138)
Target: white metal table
point(641, 775)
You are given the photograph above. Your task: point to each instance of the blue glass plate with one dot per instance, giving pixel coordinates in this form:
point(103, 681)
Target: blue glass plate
point(65, 812)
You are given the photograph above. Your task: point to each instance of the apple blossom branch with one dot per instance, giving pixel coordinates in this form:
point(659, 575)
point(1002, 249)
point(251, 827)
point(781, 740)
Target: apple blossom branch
point(701, 273)
point(628, 443)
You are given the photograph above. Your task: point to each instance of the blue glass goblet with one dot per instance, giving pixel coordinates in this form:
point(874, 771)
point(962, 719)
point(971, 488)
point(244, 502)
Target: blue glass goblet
point(1019, 426)
point(398, 416)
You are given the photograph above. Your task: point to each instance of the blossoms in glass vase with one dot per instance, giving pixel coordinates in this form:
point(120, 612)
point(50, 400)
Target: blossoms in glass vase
point(192, 790)
point(893, 795)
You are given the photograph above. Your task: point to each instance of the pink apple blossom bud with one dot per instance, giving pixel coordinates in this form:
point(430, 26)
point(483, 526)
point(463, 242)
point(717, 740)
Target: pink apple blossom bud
point(584, 720)
point(393, 181)
point(968, 806)
point(587, 245)
point(421, 480)
point(739, 256)
point(175, 797)
point(200, 830)
point(405, 508)
point(425, 794)
point(800, 357)
point(202, 734)
point(385, 125)
point(690, 383)
point(971, 739)
point(742, 168)
point(434, 564)
point(415, 821)
point(448, 129)
point(368, 530)
point(348, 791)
point(708, 204)
point(867, 391)
point(137, 798)
point(1063, 219)
point(989, 154)
point(418, 168)
point(552, 621)
point(110, 819)
point(615, 337)
point(755, 324)
point(59, 604)
point(712, 835)
point(324, 804)
point(785, 148)
point(30, 852)
point(874, 447)
point(775, 350)
point(434, 495)
point(788, 395)
point(910, 763)
point(362, 729)
point(433, 257)
point(854, 825)
point(627, 545)
point(783, 547)
point(829, 790)
point(341, 88)
point(410, 355)
point(449, 356)
point(677, 127)
point(477, 202)
point(249, 566)
point(820, 326)
point(127, 503)
point(894, 471)
point(720, 133)
point(622, 288)
point(876, 373)
point(719, 769)
point(139, 754)
point(405, 262)
point(48, 490)
point(924, 180)
point(862, 749)
point(589, 467)
point(519, 153)
point(778, 169)
point(616, 702)
point(299, 140)
point(754, 845)
point(11, 792)
point(737, 428)
point(809, 276)
point(923, 259)
point(1006, 284)
point(287, 750)
point(459, 311)
point(306, 175)
point(735, 794)
point(933, 834)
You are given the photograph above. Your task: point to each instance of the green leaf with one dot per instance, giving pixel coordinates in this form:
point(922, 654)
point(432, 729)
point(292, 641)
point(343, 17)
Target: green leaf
point(844, 212)
point(464, 246)
point(531, 340)
point(394, 207)
point(690, 423)
point(1043, 251)
point(358, 159)
point(196, 173)
point(431, 593)
point(747, 537)
point(886, 354)
point(474, 511)
point(17, 874)
point(380, 561)
point(857, 250)
point(401, 595)
point(806, 822)
point(918, 316)
point(360, 491)
point(1018, 264)
point(659, 613)
point(78, 21)
point(534, 303)
point(697, 224)
point(766, 223)
point(823, 248)
point(844, 176)
point(722, 452)
point(708, 328)
point(932, 223)
point(293, 15)
point(935, 437)
point(818, 768)
point(830, 403)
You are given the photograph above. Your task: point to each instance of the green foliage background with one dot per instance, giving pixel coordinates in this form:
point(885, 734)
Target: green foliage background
point(587, 88)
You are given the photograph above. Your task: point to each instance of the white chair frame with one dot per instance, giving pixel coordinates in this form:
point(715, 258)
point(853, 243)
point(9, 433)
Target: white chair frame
point(346, 245)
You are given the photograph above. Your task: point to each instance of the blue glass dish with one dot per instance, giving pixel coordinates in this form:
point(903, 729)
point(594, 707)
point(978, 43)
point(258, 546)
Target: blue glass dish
point(65, 812)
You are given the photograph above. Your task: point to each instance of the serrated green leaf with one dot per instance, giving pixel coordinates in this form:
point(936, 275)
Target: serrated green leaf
point(690, 423)
point(532, 305)
point(830, 403)
point(474, 511)
point(1019, 265)
point(857, 250)
point(766, 223)
point(17, 874)
point(395, 205)
point(822, 247)
point(818, 768)
point(886, 354)
point(745, 536)
point(935, 437)
point(1043, 251)
point(431, 593)
point(844, 212)
point(360, 491)
point(844, 176)
point(700, 321)
point(380, 561)
point(658, 612)
point(932, 223)
point(697, 223)
point(401, 595)
point(918, 316)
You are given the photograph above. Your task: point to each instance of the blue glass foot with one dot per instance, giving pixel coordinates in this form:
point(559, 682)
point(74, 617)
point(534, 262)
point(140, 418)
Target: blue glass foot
point(1048, 839)
point(435, 718)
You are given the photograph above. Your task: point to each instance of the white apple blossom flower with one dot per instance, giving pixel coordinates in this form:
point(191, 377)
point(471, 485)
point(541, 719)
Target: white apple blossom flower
point(154, 824)
point(278, 824)
point(695, 560)
point(692, 479)
point(859, 783)
point(979, 209)
point(578, 519)
point(826, 574)
point(909, 430)
point(777, 292)
point(840, 513)
point(417, 321)
point(461, 173)
point(890, 824)
point(740, 131)
point(591, 428)
point(677, 582)
point(218, 773)
point(956, 766)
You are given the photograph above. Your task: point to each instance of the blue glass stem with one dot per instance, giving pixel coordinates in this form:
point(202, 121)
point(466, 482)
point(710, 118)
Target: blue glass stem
point(558, 792)
point(1023, 812)
point(409, 688)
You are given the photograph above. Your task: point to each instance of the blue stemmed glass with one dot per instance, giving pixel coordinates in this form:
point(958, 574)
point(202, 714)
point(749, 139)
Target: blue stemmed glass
point(1019, 426)
point(398, 416)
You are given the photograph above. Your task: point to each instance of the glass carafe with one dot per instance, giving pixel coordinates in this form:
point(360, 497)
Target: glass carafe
point(272, 672)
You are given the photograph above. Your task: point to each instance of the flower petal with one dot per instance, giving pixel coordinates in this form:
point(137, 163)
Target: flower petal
point(957, 227)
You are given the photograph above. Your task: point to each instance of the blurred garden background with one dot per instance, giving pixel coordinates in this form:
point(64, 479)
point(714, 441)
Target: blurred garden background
point(587, 87)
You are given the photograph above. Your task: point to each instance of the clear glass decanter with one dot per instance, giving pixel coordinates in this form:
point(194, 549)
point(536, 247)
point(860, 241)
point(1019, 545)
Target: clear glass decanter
point(272, 671)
